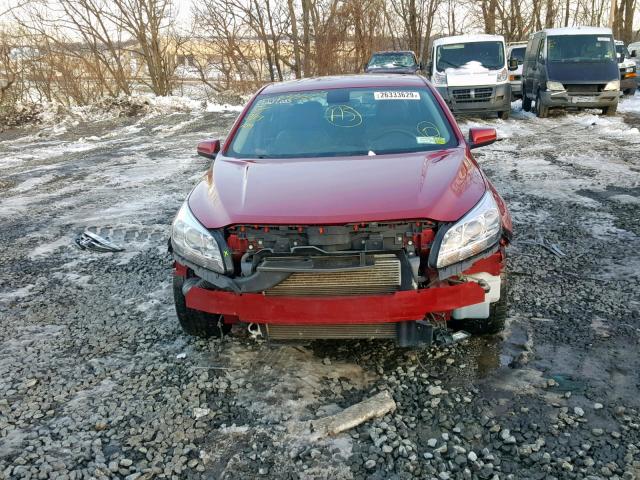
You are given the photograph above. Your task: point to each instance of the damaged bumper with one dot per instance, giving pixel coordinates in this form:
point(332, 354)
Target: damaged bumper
point(371, 300)
point(369, 309)
point(580, 100)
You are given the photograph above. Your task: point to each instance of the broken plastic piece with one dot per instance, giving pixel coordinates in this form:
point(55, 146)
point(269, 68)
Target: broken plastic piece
point(90, 241)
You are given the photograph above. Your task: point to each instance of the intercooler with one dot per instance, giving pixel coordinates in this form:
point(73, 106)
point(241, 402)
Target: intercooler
point(382, 277)
point(311, 332)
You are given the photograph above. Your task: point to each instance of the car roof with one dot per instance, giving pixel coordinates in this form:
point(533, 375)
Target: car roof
point(346, 81)
point(388, 52)
point(578, 31)
point(481, 37)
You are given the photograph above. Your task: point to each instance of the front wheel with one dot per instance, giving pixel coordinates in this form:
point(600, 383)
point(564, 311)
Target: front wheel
point(526, 102)
point(504, 115)
point(628, 91)
point(194, 322)
point(611, 110)
point(541, 109)
point(494, 323)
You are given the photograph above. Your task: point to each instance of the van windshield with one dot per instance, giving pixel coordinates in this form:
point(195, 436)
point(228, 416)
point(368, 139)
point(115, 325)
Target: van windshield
point(489, 54)
point(580, 48)
point(342, 121)
point(518, 54)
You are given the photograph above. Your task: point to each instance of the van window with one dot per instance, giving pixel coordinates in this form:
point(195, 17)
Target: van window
point(540, 55)
point(489, 54)
point(580, 48)
point(518, 54)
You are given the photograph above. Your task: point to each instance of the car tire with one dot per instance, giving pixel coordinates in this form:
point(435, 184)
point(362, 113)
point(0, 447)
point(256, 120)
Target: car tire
point(542, 111)
point(194, 322)
point(504, 115)
point(611, 110)
point(628, 91)
point(526, 103)
point(494, 323)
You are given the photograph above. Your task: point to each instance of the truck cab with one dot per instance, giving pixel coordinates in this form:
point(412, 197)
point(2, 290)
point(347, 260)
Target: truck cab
point(627, 67)
point(571, 67)
point(471, 74)
point(515, 53)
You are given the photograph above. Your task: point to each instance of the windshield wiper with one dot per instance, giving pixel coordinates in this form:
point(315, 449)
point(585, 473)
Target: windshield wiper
point(453, 65)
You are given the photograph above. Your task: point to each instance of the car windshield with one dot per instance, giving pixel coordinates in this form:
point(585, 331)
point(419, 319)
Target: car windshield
point(329, 123)
point(490, 55)
point(518, 54)
point(390, 60)
point(580, 48)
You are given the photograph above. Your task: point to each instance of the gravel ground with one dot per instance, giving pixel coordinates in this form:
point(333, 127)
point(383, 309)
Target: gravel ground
point(98, 381)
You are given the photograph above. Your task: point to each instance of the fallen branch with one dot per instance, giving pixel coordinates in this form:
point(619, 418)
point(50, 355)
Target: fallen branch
point(376, 406)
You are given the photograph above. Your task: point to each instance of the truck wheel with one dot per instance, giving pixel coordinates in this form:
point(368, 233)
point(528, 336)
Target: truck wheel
point(194, 322)
point(541, 109)
point(611, 110)
point(492, 324)
point(504, 115)
point(629, 91)
point(526, 102)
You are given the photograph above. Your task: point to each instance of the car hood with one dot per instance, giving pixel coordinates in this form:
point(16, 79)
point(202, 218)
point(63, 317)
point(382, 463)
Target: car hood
point(440, 186)
point(582, 72)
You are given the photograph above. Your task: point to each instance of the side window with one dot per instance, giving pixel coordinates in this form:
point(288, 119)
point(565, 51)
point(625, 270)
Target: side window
point(540, 55)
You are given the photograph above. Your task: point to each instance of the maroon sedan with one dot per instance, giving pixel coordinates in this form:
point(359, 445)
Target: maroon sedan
point(343, 207)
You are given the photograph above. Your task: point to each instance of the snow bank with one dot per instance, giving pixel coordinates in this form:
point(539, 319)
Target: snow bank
point(630, 104)
point(53, 114)
point(470, 67)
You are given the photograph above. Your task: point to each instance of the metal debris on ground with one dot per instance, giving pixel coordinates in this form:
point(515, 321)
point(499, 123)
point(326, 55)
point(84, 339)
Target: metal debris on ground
point(546, 244)
point(91, 241)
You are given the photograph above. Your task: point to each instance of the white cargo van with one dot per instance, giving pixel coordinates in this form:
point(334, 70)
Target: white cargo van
point(471, 74)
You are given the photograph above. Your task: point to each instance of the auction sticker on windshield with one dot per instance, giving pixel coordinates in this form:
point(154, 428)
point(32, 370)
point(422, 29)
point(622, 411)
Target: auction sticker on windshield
point(396, 95)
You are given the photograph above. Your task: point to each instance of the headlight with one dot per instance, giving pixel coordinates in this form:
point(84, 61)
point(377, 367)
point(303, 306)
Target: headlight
point(555, 86)
point(502, 75)
point(194, 242)
point(439, 78)
point(478, 230)
point(630, 69)
point(612, 85)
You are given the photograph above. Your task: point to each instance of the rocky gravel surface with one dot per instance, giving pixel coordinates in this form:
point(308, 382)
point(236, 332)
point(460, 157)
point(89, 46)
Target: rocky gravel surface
point(98, 381)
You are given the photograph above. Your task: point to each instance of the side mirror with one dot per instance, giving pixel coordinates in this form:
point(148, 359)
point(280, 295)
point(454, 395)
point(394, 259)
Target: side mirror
point(633, 53)
point(479, 137)
point(513, 64)
point(429, 66)
point(209, 148)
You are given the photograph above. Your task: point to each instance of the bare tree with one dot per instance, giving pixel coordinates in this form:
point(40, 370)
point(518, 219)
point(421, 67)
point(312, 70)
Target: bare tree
point(152, 24)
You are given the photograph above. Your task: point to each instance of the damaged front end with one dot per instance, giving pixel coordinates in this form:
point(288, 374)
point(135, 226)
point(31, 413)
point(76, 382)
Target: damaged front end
point(360, 280)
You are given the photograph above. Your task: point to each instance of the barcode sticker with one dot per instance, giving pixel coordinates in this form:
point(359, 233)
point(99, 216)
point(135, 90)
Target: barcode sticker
point(396, 95)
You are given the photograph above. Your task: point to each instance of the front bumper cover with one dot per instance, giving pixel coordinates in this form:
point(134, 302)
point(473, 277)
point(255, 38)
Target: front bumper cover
point(367, 309)
point(566, 99)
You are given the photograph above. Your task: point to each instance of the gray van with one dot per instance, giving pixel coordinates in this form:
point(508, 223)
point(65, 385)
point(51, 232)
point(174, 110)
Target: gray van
point(572, 67)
